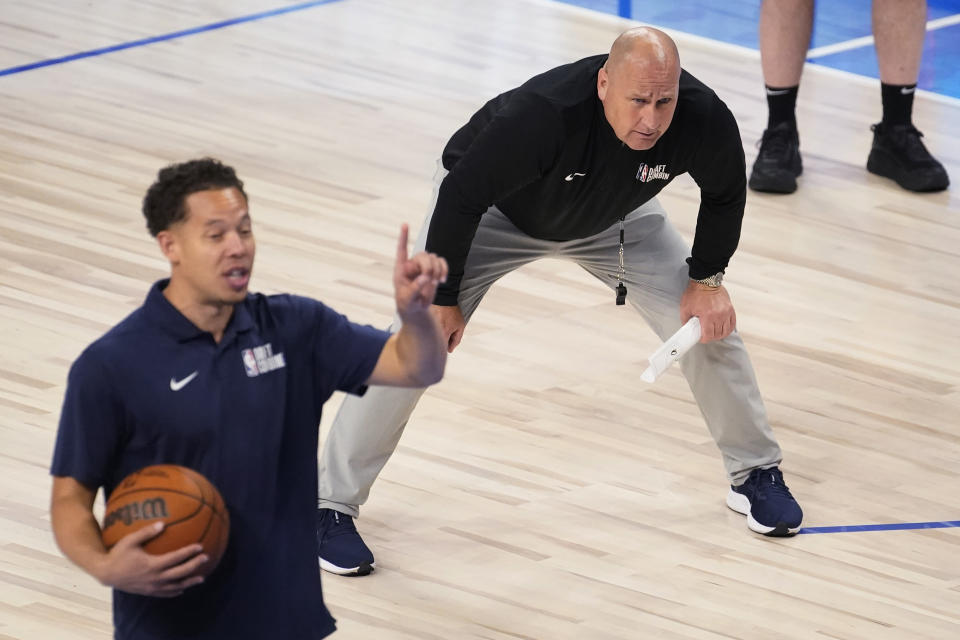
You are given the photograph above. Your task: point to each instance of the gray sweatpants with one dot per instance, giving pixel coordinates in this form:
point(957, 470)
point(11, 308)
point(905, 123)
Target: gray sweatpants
point(367, 429)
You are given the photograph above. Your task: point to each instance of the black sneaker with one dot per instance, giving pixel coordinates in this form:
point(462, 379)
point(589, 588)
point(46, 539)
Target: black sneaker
point(778, 164)
point(899, 154)
point(342, 550)
point(766, 501)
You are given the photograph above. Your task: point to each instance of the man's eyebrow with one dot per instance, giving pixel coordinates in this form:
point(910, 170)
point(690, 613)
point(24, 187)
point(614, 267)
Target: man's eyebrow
point(213, 221)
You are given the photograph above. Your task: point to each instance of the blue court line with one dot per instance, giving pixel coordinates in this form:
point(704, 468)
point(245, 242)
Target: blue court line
point(162, 38)
point(883, 527)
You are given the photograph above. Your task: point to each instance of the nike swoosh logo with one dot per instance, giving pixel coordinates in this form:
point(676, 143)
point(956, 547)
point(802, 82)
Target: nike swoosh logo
point(570, 177)
point(905, 91)
point(777, 92)
point(176, 385)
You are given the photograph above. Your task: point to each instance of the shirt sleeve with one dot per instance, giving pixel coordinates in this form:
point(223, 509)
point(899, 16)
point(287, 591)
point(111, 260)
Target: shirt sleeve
point(519, 144)
point(719, 169)
point(345, 352)
point(91, 424)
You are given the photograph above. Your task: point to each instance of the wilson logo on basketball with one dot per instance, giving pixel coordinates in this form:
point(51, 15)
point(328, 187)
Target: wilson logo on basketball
point(148, 509)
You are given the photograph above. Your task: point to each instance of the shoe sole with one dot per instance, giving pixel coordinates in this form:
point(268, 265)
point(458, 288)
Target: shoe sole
point(879, 165)
point(739, 503)
point(780, 181)
point(365, 568)
point(786, 185)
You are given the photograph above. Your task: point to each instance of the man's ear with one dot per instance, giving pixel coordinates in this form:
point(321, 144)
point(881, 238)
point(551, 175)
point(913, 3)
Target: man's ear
point(169, 245)
point(602, 83)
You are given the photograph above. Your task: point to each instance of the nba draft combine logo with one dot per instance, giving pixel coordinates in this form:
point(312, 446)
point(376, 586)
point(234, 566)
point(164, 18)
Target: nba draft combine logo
point(646, 173)
point(262, 360)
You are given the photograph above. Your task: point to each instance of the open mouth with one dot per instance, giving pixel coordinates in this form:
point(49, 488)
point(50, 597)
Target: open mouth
point(238, 278)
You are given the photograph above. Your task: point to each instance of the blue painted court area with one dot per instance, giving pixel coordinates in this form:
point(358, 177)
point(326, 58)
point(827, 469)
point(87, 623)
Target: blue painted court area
point(834, 23)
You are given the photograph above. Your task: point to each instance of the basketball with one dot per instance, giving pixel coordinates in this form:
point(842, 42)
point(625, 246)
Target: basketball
point(191, 507)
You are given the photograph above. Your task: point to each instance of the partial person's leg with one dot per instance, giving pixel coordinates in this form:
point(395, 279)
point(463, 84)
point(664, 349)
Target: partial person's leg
point(785, 28)
point(366, 430)
point(719, 373)
point(899, 27)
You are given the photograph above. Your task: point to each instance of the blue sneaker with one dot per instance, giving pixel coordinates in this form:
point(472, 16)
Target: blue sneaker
point(766, 501)
point(341, 549)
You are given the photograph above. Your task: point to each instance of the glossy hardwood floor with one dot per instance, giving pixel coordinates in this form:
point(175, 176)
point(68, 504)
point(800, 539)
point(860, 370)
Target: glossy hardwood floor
point(541, 490)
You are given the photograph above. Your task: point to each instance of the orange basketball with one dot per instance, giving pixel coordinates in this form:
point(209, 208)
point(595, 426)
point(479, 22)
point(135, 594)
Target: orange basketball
point(191, 507)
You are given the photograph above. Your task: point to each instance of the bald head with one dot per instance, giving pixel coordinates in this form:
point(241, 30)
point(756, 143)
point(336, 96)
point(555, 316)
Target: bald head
point(639, 85)
point(647, 48)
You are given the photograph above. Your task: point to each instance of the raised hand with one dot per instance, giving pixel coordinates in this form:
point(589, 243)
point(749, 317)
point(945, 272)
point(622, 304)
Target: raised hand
point(415, 279)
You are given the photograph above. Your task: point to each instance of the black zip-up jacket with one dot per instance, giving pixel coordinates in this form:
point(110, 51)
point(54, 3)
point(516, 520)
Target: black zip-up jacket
point(518, 151)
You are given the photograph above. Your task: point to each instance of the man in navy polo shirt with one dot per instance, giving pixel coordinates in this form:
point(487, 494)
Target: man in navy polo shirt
point(231, 384)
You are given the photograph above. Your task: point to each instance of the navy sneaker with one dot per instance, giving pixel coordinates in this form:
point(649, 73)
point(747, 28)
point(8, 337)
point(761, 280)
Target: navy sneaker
point(899, 154)
point(342, 550)
point(778, 162)
point(766, 501)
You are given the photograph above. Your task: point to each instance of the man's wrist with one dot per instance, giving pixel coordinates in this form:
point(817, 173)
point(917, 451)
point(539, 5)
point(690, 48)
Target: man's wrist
point(713, 282)
point(97, 564)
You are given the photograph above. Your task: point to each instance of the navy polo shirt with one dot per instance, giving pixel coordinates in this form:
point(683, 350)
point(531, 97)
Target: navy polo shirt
point(245, 413)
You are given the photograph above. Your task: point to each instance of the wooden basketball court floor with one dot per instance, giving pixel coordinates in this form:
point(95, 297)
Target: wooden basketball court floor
point(541, 490)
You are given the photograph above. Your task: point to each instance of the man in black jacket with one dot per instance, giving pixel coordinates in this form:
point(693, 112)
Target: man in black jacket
point(568, 166)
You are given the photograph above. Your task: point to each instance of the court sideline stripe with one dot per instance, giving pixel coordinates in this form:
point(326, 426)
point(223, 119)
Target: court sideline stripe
point(866, 41)
point(897, 526)
point(167, 36)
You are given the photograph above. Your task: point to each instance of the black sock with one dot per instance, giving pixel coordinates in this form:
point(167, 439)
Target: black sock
point(897, 103)
point(782, 103)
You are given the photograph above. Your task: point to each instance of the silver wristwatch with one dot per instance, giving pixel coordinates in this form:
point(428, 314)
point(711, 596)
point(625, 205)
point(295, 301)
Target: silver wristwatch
point(711, 281)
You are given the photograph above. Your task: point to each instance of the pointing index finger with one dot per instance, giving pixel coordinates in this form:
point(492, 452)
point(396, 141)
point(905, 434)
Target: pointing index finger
point(402, 243)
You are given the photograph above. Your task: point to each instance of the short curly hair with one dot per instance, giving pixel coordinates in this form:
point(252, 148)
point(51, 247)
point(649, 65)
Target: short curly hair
point(165, 202)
